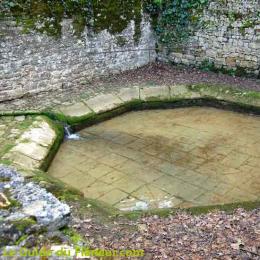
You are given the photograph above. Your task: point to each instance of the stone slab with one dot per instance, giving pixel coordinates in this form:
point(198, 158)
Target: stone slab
point(103, 103)
point(22, 160)
point(131, 204)
point(129, 94)
point(76, 110)
point(32, 147)
point(149, 93)
point(43, 134)
point(19, 118)
point(32, 150)
point(114, 196)
point(182, 91)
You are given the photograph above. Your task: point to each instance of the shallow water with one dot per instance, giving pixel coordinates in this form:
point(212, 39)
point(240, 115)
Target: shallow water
point(165, 158)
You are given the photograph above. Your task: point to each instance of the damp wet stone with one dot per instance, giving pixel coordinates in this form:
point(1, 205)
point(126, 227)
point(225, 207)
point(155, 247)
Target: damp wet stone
point(165, 158)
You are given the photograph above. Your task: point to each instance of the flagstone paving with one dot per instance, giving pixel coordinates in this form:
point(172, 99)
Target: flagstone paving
point(11, 129)
point(165, 158)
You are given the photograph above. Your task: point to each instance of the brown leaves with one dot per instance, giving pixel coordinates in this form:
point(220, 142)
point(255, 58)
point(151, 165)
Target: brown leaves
point(216, 235)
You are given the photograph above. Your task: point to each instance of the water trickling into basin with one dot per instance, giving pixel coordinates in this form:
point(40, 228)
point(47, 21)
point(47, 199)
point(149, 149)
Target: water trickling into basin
point(69, 135)
point(165, 158)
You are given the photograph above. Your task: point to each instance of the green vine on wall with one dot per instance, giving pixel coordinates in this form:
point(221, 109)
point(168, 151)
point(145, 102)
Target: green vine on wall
point(173, 20)
point(176, 19)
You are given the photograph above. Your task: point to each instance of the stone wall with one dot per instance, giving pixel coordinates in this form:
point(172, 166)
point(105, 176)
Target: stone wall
point(34, 63)
point(228, 38)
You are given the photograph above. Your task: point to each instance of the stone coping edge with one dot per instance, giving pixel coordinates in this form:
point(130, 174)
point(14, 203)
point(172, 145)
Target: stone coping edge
point(105, 106)
point(87, 112)
point(36, 147)
point(103, 103)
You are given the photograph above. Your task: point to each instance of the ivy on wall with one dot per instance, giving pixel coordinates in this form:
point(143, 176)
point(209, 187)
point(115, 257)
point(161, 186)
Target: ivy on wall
point(172, 19)
point(176, 19)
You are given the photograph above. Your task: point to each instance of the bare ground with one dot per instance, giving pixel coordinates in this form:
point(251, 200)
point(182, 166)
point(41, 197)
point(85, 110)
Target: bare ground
point(160, 73)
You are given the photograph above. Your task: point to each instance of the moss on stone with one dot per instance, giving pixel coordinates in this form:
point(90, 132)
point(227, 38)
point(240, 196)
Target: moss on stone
point(248, 23)
point(224, 91)
point(207, 65)
point(25, 124)
point(23, 224)
point(5, 162)
point(14, 203)
point(93, 118)
point(58, 129)
point(121, 41)
point(20, 113)
point(4, 179)
point(75, 237)
point(72, 120)
point(4, 150)
point(229, 208)
point(21, 239)
point(46, 16)
point(66, 193)
point(209, 95)
point(56, 187)
point(9, 143)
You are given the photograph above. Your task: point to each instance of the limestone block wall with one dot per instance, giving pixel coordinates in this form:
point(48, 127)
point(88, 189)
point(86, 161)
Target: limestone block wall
point(229, 38)
point(33, 63)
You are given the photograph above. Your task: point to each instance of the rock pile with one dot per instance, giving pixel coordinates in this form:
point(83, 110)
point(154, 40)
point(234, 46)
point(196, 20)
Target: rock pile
point(30, 206)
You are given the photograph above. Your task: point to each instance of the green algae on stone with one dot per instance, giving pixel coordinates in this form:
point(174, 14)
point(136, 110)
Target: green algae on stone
point(59, 132)
point(23, 224)
point(194, 211)
point(11, 132)
point(32, 148)
point(75, 237)
point(158, 97)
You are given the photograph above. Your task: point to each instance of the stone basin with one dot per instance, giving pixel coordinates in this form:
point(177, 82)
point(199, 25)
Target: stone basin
point(165, 158)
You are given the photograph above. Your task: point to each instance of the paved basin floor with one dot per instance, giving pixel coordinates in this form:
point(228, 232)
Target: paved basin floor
point(165, 158)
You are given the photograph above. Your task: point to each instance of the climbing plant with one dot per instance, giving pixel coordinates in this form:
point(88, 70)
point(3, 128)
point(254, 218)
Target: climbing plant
point(173, 20)
point(176, 19)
